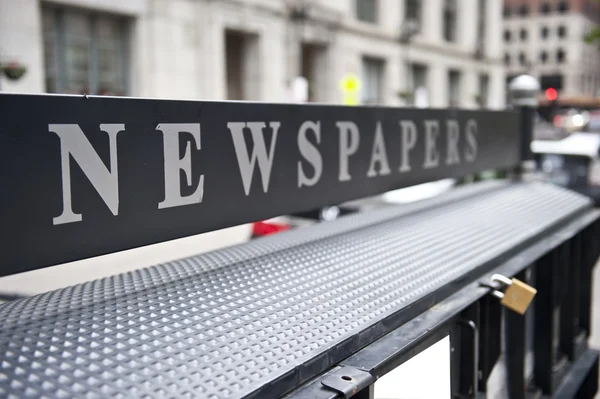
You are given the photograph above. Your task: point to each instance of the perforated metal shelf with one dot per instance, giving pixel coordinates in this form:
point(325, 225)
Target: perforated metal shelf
point(267, 313)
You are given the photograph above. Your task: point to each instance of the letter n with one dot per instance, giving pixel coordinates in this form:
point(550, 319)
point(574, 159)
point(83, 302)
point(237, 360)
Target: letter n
point(73, 143)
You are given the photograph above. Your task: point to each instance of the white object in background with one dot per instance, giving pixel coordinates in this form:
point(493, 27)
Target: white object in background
point(425, 376)
point(300, 89)
point(418, 192)
point(585, 144)
point(421, 97)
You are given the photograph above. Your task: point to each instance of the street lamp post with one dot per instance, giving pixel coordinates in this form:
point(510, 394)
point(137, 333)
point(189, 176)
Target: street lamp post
point(524, 90)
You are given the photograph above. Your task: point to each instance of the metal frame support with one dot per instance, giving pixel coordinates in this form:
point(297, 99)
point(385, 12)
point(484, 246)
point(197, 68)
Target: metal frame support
point(527, 121)
point(464, 354)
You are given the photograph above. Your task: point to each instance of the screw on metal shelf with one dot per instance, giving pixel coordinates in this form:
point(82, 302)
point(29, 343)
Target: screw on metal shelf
point(348, 381)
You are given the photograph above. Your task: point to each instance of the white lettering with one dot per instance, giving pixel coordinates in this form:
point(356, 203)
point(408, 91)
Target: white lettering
point(409, 140)
point(73, 143)
point(471, 132)
point(310, 152)
point(452, 136)
point(378, 155)
point(432, 131)
point(174, 164)
point(259, 151)
point(349, 139)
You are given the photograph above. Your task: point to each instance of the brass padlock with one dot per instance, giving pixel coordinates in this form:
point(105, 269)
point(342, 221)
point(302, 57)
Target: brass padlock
point(517, 296)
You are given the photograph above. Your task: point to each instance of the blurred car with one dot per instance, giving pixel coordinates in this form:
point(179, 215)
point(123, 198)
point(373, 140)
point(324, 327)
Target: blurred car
point(572, 120)
point(328, 213)
point(544, 130)
point(593, 123)
point(572, 162)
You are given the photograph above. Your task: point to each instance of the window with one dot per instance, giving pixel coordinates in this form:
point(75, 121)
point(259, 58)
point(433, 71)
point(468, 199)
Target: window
point(418, 80)
point(544, 57)
point(313, 67)
point(484, 85)
point(453, 88)
point(523, 34)
point(560, 56)
point(507, 36)
point(524, 10)
point(366, 10)
point(85, 52)
point(522, 59)
point(412, 10)
point(545, 8)
point(554, 81)
point(372, 91)
point(507, 59)
point(241, 65)
point(419, 76)
point(507, 81)
point(563, 6)
point(544, 32)
point(506, 12)
point(589, 8)
point(450, 20)
point(562, 31)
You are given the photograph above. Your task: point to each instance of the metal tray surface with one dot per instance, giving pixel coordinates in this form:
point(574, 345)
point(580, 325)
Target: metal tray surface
point(226, 323)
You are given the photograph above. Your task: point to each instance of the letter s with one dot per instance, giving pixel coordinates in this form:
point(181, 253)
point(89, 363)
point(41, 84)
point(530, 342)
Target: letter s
point(471, 132)
point(310, 152)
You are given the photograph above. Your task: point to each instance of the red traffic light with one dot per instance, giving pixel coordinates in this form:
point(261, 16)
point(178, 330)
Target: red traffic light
point(551, 94)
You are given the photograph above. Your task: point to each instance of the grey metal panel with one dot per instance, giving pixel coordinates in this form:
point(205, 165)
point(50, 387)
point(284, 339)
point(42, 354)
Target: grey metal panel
point(224, 324)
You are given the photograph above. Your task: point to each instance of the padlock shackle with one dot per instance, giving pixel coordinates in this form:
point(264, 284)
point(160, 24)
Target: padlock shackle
point(498, 294)
point(501, 279)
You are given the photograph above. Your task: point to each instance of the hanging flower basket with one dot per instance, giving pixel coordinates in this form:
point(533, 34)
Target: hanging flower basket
point(405, 95)
point(13, 70)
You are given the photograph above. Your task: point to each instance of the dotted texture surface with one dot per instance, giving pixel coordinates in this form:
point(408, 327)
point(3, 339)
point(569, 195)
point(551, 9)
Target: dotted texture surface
point(222, 324)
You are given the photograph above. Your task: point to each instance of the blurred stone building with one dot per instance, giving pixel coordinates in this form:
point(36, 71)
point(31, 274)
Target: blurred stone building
point(254, 49)
point(545, 38)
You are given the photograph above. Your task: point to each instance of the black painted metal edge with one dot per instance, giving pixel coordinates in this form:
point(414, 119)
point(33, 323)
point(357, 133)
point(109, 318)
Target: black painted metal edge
point(394, 348)
point(277, 387)
point(574, 383)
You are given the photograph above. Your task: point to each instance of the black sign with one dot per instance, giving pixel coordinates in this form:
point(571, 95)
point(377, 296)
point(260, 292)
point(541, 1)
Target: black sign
point(82, 177)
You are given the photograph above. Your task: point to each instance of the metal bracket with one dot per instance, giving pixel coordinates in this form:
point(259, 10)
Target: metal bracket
point(348, 381)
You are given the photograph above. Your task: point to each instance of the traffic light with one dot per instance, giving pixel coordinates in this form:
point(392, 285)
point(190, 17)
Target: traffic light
point(551, 94)
point(553, 108)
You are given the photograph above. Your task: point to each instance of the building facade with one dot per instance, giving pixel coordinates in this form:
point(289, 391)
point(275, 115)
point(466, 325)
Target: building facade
point(450, 50)
point(545, 38)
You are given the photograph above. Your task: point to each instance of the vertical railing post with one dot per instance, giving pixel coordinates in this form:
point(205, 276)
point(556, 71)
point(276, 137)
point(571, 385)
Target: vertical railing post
point(589, 254)
point(569, 299)
point(515, 346)
point(464, 354)
point(490, 335)
point(585, 294)
point(545, 283)
point(366, 393)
